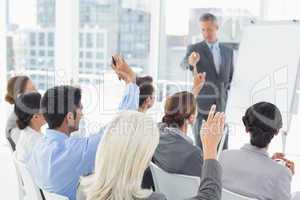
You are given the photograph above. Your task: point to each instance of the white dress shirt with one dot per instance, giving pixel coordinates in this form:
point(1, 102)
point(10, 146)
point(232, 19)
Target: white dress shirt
point(28, 138)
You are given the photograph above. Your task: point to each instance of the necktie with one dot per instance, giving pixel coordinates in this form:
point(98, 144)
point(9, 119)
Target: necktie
point(214, 52)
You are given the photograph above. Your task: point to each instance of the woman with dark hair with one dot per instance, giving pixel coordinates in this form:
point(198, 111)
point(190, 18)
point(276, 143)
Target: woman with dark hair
point(146, 98)
point(16, 85)
point(29, 121)
point(250, 171)
point(176, 152)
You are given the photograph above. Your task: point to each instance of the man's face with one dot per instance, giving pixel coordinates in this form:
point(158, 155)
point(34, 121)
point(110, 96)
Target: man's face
point(79, 114)
point(209, 30)
point(73, 124)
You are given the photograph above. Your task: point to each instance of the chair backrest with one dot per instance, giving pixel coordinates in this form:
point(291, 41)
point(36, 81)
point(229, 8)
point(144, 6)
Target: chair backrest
point(53, 196)
point(228, 195)
point(21, 191)
point(174, 186)
point(32, 192)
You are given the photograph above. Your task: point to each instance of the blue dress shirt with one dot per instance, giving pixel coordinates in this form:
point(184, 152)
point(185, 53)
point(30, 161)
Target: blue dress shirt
point(58, 161)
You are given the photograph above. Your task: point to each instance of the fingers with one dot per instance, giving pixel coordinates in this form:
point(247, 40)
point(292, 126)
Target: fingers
point(211, 113)
point(289, 164)
point(278, 156)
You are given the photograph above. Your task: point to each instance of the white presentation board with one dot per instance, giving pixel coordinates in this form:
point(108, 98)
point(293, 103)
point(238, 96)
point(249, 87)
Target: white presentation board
point(266, 70)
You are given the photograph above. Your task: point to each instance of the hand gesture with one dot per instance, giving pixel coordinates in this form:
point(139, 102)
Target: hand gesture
point(288, 163)
point(199, 80)
point(123, 70)
point(211, 133)
point(193, 59)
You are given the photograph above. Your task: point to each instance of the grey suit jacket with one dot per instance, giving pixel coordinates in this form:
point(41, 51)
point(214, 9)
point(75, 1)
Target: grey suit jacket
point(176, 153)
point(215, 90)
point(210, 187)
point(251, 172)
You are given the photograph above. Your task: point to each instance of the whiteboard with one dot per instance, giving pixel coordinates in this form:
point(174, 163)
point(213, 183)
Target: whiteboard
point(266, 70)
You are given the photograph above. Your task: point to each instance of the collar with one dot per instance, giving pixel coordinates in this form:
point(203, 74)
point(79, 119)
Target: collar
point(216, 44)
point(29, 129)
point(180, 133)
point(262, 151)
point(54, 134)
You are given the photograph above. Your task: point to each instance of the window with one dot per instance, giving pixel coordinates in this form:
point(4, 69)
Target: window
point(51, 39)
point(89, 65)
point(99, 66)
point(32, 52)
point(32, 39)
point(32, 62)
point(89, 55)
point(81, 40)
point(99, 40)
point(41, 53)
point(100, 55)
point(51, 53)
point(80, 54)
point(89, 40)
point(41, 39)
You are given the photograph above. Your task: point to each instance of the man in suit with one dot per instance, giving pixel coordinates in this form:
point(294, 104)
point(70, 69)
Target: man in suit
point(216, 60)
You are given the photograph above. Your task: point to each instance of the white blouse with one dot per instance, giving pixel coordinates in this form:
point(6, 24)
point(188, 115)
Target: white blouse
point(28, 138)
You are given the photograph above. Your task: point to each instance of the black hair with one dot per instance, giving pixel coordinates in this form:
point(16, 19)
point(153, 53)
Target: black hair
point(208, 17)
point(146, 88)
point(26, 106)
point(263, 120)
point(57, 102)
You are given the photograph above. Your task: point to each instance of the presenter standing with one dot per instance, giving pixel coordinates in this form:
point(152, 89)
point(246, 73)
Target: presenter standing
point(217, 61)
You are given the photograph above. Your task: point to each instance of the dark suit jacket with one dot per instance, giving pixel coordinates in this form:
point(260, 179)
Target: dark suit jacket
point(215, 90)
point(175, 154)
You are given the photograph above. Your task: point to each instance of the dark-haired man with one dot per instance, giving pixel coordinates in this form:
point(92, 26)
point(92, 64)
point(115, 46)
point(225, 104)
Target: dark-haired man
point(58, 160)
point(216, 60)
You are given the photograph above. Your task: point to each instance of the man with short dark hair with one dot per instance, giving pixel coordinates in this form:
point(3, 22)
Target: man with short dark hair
point(58, 159)
point(216, 60)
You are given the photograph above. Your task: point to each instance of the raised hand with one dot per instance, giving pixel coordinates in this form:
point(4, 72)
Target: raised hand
point(199, 80)
point(288, 163)
point(193, 59)
point(211, 133)
point(123, 70)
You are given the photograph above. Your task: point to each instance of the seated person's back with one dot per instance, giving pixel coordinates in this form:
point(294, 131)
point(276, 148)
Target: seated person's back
point(250, 171)
point(176, 153)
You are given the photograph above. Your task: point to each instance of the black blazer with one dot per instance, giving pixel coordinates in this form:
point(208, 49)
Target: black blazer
point(215, 90)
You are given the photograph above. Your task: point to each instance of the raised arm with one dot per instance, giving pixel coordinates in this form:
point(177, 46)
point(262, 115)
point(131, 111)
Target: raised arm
point(199, 80)
point(130, 99)
point(190, 60)
point(211, 134)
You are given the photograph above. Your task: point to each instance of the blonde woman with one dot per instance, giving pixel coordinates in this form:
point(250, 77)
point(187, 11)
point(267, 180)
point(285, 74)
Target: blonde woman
point(126, 149)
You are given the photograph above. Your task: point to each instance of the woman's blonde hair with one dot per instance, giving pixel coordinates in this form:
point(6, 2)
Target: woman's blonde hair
point(123, 155)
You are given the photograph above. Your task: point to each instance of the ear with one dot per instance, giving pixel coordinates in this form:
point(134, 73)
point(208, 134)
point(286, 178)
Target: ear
point(191, 119)
point(70, 116)
point(35, 116)
point(148, 100)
